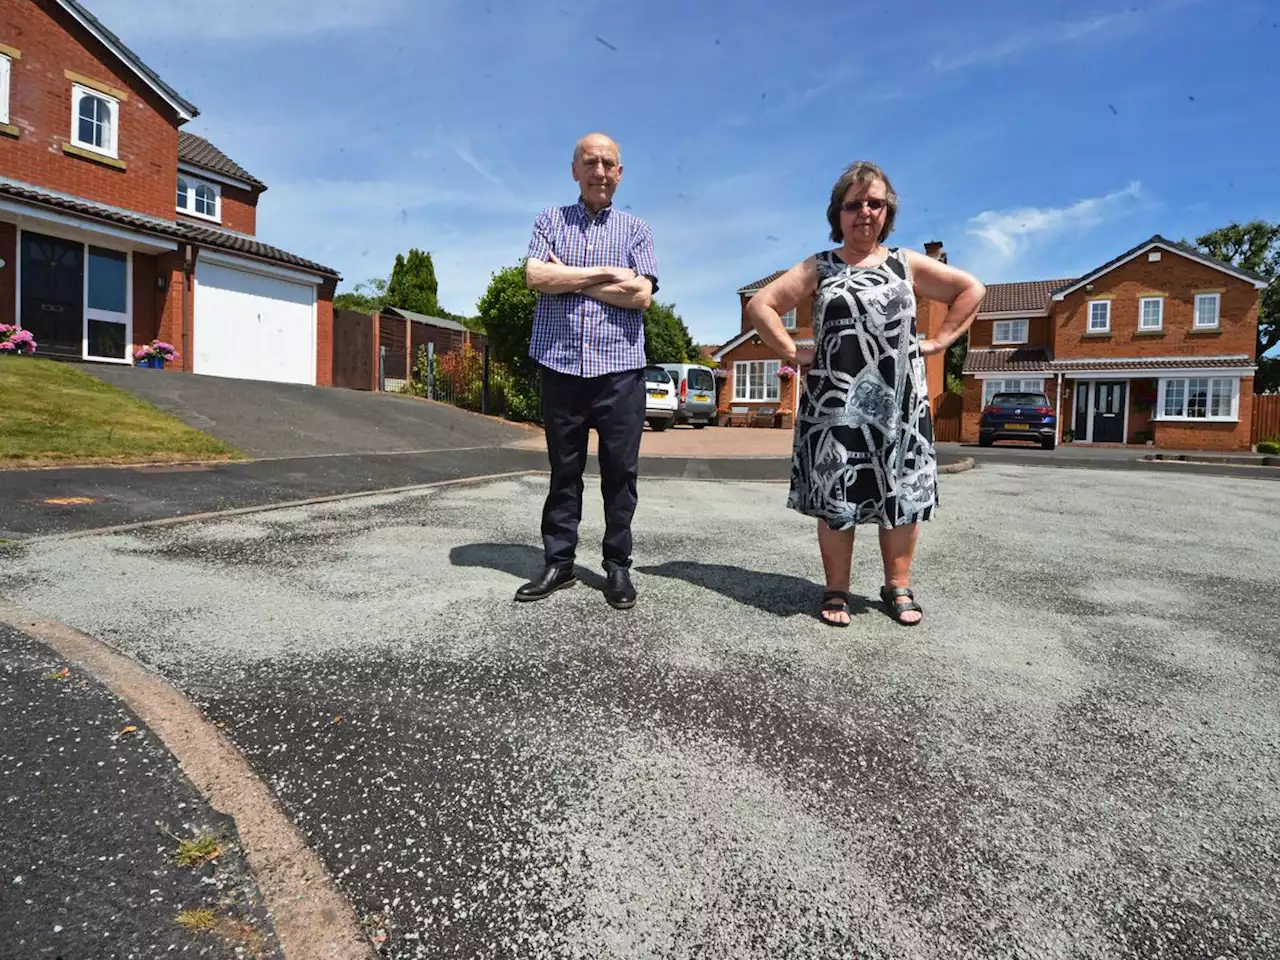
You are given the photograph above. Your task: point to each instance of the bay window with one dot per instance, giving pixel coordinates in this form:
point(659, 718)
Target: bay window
point(756, 380)
point(1199, 398)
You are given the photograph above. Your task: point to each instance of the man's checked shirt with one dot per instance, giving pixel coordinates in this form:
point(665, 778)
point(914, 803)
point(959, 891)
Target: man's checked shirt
point(573, 333)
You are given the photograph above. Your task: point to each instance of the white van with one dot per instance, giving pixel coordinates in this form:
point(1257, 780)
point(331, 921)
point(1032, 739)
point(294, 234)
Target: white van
point(695, 393)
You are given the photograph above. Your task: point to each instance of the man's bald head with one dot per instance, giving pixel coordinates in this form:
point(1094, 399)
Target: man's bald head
point(597, 167)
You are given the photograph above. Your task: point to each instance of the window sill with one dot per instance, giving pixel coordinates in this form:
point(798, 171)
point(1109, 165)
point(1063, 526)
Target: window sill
point(93, 157)
point(1010, 345)
point(1150, 333)
point(1205, 331)
point(1195, 420)
point(9, 130)
point(1098, 335)
point(198, 216)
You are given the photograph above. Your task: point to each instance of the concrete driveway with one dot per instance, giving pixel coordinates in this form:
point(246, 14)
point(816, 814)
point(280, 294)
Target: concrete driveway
point(1074, 756)
point(290, 420)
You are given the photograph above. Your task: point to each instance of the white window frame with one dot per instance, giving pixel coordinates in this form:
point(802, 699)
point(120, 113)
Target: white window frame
point(1142, 314)
point(193, 184)
point(110, 316)
point(991, 387)
point(1233, 415)
point(6, 68)
point(1216, 299)
point(1106, 327)
point(772, 390)
point(1016, 331)
point(78, 94)
point(789, 319)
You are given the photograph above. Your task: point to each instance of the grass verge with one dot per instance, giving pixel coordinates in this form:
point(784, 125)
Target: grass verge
point(53, 413)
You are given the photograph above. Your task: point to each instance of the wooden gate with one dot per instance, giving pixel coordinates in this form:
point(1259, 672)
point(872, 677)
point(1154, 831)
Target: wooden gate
point(1266, 418)
point(946, 422)
point(353, 350)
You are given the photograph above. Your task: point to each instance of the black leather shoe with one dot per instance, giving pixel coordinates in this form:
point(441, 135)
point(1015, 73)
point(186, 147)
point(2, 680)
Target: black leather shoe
point(552, 579)
point(618, 589)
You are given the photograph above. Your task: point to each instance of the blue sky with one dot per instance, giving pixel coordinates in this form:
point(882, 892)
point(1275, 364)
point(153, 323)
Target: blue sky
point(1035, 140)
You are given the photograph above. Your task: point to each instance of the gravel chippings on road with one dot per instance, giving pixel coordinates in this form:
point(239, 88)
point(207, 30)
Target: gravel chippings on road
point(1074, 756)
point(91, 806)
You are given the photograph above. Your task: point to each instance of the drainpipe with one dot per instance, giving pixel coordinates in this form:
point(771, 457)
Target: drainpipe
point(188, 270)
point(1058, 419)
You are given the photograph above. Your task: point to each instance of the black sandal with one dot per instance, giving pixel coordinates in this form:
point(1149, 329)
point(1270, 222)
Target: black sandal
point(896, 609)
point(835, 601)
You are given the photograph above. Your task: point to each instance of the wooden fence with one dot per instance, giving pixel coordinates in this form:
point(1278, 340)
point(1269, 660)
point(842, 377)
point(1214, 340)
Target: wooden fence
point(946, 422)
point(1266, 417)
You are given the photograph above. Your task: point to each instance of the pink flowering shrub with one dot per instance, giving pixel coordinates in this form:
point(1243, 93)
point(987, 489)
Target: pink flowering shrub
point(14, 339)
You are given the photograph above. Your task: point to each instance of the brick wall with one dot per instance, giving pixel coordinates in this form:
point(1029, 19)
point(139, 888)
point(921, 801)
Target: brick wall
point(9, 272)
point(169, 307)
point(40, 103)
point(1176, 277)
point(324, 333)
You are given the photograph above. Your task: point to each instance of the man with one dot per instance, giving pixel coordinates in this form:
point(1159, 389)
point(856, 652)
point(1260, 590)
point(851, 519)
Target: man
point(595, 272)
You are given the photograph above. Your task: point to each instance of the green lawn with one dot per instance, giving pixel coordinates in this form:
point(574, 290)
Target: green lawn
point(51, 412)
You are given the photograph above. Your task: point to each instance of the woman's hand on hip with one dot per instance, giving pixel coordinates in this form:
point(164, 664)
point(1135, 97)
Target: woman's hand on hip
point(804, 357)
point(931, 346)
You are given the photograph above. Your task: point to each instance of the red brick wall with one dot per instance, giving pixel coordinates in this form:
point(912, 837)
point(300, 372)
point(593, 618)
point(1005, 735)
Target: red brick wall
point(982, 333)
point(51, 42)
point(1203, 436)
point(324, 333)
point(169, 307)
point(1179, 279)
point(9, 272)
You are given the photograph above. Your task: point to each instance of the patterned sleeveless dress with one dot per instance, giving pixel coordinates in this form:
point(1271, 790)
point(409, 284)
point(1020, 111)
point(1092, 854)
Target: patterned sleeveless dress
point(863, 448)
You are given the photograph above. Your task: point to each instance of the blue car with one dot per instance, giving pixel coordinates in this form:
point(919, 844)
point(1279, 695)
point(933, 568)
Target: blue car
point(1018, 416)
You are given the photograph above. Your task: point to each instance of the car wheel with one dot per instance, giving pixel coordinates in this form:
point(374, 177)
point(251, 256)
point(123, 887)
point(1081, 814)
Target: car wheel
point(1048, 444)
point(984, 441)
point(698, 426)
point(659, 425)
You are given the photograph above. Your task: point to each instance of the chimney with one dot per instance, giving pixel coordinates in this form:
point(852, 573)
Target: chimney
point(933, 248)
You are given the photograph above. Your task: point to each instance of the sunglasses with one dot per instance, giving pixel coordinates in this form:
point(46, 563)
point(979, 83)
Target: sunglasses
point(854, 206)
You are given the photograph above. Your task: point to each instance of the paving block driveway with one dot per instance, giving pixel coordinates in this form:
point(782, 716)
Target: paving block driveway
point(1074, 756)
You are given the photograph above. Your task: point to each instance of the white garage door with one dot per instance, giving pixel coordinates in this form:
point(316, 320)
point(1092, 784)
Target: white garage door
point(253, 327)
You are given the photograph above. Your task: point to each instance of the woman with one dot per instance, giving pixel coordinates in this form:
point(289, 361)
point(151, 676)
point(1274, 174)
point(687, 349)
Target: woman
point(864, 436)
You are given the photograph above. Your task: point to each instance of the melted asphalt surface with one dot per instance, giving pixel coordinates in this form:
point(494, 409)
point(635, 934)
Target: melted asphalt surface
point(1075, 755)
point(86, 868)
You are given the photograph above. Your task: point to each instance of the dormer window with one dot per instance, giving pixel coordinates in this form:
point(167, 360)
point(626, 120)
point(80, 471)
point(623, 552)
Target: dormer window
point(199, 199)
point(94, 121)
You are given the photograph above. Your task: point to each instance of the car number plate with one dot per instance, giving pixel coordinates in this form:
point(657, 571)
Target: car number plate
point(656, 393)
point(701, 397)
point(1017, 426)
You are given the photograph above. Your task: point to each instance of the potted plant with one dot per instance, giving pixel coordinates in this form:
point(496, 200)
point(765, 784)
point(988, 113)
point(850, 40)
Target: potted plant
point(786, 372)
point(15, 340)
point(155, 354)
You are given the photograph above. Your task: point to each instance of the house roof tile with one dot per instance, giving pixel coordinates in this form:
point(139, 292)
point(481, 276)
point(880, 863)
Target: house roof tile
point(1015, 360)
point(1035, 360)
point(199, 152)
point(1031, 296)
point(761, 283)
point(172, 229)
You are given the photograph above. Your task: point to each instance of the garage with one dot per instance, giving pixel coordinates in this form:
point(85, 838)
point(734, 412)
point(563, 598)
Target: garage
point(253, 323)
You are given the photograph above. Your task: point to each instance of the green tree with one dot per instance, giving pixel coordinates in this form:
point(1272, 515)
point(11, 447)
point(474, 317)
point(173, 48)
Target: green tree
point(367, 297)
point(506, 314)
point(413, 284)
point(1255, 246)
point(954, 365)
point(666, 338)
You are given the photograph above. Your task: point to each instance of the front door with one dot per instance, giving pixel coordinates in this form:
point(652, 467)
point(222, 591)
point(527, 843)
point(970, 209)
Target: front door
point(1108, 411)
point(53, 294)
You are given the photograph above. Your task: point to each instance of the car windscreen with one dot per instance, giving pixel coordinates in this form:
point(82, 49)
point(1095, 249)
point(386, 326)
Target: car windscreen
point(1020, 400)
point(701, 380)
point(656, 375)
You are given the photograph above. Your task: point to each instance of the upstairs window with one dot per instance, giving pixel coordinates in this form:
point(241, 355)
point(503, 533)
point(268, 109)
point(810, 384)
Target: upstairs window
point(789, 319)
point(199, 199)
point(5, 64)
point(1010, 331)
point(1100, 316)
point(94, 121)
point(1207, 309)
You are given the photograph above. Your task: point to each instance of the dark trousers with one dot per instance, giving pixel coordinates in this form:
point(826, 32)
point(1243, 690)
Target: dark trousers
point(614, 405)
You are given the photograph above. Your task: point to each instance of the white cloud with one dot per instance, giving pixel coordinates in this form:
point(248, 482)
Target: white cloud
point(135, 20)
point(1010, 234)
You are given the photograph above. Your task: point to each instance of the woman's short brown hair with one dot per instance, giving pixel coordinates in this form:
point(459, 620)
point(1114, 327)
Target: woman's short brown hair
point(863, 171)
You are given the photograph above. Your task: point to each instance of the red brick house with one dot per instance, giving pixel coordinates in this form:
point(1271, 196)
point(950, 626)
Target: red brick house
point(1156, 345)
point(750, 383)
point(117, 227)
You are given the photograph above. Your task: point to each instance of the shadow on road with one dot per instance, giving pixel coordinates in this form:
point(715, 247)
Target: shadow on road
point(777, 593)
point(517, 559)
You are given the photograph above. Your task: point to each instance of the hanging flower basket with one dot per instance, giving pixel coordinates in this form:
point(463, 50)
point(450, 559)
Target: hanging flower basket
point(155, 354)
point(786, 373)
point(15, 340)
